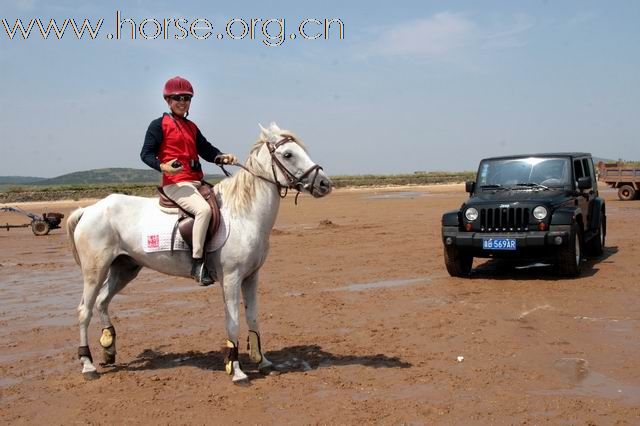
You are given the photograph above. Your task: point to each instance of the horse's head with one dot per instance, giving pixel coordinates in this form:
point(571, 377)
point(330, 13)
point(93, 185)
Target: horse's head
point(290, 162)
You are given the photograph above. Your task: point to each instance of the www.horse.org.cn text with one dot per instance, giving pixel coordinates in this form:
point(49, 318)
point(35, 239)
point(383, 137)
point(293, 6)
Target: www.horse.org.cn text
point(271, 32)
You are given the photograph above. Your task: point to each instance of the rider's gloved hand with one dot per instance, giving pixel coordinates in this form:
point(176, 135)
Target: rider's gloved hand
point(226, 159)
point(170, 167)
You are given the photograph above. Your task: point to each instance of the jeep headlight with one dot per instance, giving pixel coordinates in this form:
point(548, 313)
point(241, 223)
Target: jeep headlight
point(471, 214)
point(540, 212)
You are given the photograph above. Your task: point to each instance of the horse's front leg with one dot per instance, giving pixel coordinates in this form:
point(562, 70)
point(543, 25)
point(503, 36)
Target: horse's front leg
point(231, 284)
point(250, 295)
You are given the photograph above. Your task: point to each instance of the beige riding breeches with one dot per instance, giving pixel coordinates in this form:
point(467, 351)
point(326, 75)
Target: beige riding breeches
point(186, 195)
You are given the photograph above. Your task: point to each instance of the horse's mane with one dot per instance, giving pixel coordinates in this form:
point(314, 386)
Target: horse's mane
point(239, 190)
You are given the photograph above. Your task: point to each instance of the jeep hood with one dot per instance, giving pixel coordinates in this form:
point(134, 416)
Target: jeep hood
point(551, 196)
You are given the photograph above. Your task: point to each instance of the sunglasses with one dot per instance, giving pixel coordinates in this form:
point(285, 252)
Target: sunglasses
point(180, 98)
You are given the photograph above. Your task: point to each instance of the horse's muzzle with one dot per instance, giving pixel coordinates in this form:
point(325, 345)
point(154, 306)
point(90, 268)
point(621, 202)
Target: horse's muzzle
point(321, 187)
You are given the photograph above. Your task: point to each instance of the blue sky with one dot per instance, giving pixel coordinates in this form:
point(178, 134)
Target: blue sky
point(428, 85)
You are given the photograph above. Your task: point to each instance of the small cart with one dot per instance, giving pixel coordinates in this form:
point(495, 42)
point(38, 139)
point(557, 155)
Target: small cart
point(624, 178)
point(40, 225)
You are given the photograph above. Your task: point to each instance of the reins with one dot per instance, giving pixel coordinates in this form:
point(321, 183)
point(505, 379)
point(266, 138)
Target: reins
point(294, 182)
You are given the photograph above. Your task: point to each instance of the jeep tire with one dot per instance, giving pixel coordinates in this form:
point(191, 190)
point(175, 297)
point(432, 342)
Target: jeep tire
point(569, 258)
point(458, 264)
point(595, 246)
point(626, 193)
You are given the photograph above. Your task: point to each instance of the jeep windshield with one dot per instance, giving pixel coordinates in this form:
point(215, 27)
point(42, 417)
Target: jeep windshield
point(531, 173)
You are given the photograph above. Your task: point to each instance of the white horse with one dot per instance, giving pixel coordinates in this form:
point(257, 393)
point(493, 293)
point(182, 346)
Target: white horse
point(106, 243)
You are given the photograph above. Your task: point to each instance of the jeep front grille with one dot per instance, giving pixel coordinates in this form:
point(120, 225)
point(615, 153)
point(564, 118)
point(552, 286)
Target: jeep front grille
point(504, 219)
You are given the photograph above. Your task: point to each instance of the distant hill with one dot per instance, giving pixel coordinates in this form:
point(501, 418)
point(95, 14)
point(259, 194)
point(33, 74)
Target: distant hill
point(19, 180)
point(112, 175)
point(95, 176)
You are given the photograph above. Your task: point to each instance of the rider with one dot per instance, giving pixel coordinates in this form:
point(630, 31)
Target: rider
point(172, 146)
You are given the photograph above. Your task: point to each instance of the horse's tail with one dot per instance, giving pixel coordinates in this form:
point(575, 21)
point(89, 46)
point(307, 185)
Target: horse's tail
point(72, 222)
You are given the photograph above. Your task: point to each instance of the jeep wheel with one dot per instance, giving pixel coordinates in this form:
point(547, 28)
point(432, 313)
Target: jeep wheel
point(595, 246)
point(626, 193)
point(458, 264)
point(570, 255)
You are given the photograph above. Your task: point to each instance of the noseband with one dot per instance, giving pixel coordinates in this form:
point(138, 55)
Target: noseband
point(293, 181)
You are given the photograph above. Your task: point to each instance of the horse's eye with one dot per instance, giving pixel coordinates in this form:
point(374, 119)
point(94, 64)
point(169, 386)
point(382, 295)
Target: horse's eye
point(287, 154)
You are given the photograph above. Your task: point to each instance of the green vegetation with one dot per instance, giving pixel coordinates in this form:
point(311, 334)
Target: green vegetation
point(100, 183)
point(12, 194)
point(417, 178)
point(19, 180)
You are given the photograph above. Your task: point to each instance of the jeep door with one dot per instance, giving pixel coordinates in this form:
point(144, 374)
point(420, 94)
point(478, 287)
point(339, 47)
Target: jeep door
point(583, 167)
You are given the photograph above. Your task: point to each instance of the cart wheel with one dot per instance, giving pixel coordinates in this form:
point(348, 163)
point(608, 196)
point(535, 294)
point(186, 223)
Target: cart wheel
point(626, 193)
point(40, 227)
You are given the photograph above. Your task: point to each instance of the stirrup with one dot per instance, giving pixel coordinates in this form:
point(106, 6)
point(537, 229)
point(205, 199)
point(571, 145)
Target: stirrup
point(200, 273)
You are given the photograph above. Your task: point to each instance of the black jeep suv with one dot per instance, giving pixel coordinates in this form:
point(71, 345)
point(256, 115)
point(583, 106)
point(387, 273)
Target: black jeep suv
point(541, 206)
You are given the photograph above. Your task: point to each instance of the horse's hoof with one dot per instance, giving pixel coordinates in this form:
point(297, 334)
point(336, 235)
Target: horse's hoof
point(91, 375)
point(108, 359)
point(245, 383)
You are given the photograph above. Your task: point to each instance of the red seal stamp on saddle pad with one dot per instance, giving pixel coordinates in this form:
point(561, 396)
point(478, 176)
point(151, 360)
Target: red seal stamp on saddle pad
point(153, 241)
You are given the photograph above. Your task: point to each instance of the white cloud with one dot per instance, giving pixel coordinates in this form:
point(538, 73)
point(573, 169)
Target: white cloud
point(440, 34)
point(446, 32)
point(508, 35)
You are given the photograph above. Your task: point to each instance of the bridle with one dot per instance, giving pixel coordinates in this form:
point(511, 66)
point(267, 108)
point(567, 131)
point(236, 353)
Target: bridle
point(293, 181)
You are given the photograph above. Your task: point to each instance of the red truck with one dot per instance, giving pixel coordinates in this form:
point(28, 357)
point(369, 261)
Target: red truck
point(623, 177)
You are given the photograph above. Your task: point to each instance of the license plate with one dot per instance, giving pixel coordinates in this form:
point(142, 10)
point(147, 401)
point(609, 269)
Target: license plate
point(498, 243)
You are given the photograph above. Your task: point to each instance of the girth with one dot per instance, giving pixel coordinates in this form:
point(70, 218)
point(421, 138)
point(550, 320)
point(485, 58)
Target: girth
point(185, 221)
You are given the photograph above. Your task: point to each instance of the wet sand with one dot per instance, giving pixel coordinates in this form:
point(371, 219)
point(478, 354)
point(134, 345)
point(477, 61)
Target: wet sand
point(357, 309)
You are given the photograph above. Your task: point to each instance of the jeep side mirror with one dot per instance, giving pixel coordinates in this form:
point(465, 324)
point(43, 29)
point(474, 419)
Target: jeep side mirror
point(584, 183)
point(469, 186)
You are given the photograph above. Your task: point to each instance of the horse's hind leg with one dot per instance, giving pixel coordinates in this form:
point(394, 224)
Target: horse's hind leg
point(94, 277)
point(122, 271)
point(250, 295)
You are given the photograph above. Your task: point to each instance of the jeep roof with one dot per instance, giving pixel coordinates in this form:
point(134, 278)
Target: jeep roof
point(546, 154)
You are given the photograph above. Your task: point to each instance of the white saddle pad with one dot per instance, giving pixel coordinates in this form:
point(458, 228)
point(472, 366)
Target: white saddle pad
point(156, 233)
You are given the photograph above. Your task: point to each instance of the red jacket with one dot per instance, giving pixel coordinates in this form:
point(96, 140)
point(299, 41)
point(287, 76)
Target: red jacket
point(170, 137)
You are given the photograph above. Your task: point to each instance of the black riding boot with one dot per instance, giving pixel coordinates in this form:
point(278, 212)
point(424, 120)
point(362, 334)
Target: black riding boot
point(200, 272)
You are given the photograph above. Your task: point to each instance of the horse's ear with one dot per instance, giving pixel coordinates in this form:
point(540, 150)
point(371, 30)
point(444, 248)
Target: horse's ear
point(274, 127)
point(264, 133)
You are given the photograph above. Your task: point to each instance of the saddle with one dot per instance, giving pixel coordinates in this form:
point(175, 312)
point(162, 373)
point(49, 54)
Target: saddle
point(185, 221)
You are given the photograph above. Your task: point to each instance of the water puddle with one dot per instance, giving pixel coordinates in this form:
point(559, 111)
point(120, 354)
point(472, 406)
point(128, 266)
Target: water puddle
point(395, 195)
point(616, 325)
point(57, 321)
point(8, 381)
point(533, 265)
point(420, 392)
point(9, 358)
point(381, 284)
point(183, 289)
point(590, 383)
point(180, 303)
point(136, 312)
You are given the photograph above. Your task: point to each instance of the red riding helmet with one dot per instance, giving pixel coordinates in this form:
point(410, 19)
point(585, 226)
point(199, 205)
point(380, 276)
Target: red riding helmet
point(177, 86)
